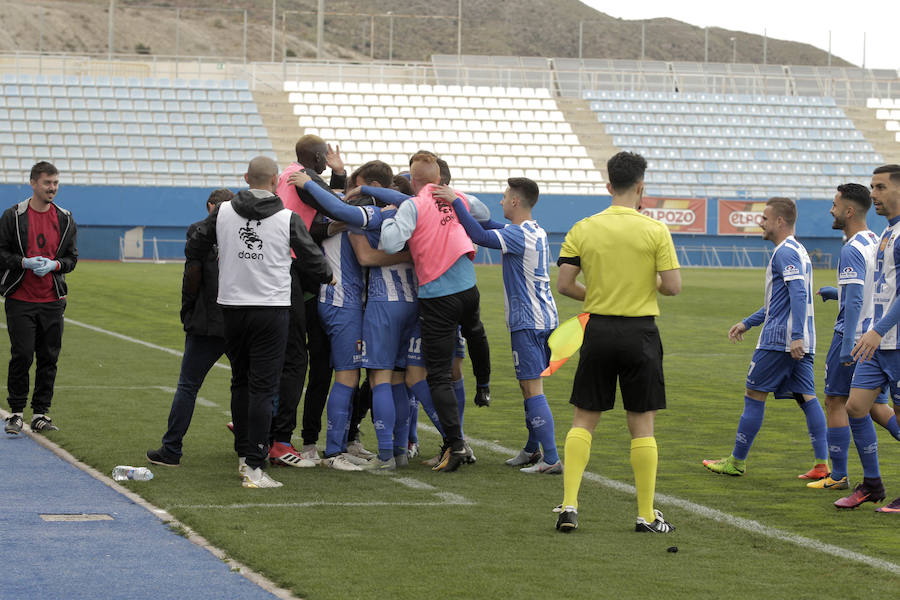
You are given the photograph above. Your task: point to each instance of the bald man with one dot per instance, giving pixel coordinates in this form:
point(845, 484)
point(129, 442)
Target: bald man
point(255, 234)
point(448, 297)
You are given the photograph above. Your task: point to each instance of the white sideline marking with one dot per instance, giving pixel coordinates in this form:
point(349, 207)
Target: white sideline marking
point(413, 483)
point(169, 390)
point(136, 341)
point(714, 514)
point(447, 500)
point(699, 509)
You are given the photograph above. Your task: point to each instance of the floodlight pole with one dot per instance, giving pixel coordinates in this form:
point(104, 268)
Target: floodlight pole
point(320, 28)
point(829, 48)
point(643, 39)
point(111, 27)
point(391, 37)
point(706, 44)
point(272, 55)
point(765, 45)
point(459, 28)
point(580, 36)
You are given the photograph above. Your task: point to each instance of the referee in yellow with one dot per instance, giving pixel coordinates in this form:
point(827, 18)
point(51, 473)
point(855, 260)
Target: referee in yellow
point(626, 258)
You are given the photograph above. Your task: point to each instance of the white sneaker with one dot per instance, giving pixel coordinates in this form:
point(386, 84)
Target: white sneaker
point(356, 460)
point(339, 462)
point(242, 466)
point(356, 449)
point(470, 455)
point(412, 450)
point(257, 478)
point(524, 458)
point(310, 453)
point(542, 467)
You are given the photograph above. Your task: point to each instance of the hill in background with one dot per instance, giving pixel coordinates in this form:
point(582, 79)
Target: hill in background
point(421, 28)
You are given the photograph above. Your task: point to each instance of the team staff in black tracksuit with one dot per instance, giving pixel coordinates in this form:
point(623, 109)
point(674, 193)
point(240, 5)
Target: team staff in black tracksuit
point(37, 247)
point(255, 236)
point(204, 342)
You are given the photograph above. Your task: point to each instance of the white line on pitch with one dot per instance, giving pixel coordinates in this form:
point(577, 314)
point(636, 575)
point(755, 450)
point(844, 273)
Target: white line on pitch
point(705, 511)
point(413, 483)
point(715, 515)
point(169, 390)
point(136, 341)
point(447, 500)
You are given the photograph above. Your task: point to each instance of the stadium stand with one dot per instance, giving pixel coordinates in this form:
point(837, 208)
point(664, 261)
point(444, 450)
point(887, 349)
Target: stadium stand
point(117, 130)
point(888, 111)
point(486, 134)
point(733, 144)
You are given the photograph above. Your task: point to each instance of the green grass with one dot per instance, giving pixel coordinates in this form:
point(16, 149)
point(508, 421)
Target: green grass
point(112, 402)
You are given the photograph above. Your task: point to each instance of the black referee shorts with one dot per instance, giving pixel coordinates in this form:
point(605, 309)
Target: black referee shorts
point(627, 349)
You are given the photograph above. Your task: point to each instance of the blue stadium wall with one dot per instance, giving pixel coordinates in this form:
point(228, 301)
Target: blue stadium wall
point(105, 213)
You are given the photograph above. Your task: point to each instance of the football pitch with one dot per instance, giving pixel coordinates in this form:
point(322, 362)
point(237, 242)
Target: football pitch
point(488, 530)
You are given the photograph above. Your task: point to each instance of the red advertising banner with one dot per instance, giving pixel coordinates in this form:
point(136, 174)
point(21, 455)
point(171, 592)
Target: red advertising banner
point(740, 217)
point(681, 215)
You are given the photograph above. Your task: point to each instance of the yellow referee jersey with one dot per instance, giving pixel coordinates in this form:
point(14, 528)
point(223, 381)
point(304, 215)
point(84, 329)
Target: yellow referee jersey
point(620, 251)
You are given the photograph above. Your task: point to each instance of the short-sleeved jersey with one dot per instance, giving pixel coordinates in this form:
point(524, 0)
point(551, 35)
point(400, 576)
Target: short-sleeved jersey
point(526, 278)
point(789, 262)
point(396, 283)
point(857, 267)
point(349, 288)
point(887, 260)
point(620, 252)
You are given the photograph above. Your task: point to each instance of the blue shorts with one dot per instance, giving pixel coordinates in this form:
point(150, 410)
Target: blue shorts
point(344, 328)
point(414, 356)
point(838, 375)
point(776, 372)
point(387, 327)
point(530, 351)
point(880, 371)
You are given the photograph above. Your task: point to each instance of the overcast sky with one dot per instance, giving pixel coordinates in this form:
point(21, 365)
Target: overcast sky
point(798, 20)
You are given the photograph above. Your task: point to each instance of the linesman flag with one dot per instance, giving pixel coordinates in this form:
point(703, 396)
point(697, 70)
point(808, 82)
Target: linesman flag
point(565, 341)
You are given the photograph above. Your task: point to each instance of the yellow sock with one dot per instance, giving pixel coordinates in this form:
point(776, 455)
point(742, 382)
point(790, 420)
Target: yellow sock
point(643, 461)
point(577, 454)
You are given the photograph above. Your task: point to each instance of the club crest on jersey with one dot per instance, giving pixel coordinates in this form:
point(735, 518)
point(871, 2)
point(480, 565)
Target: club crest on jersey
point(885, 242)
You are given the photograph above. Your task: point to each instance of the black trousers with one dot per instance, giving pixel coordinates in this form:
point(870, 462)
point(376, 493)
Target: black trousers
point(35, 330)
point(294, 371)
point(255, 339)
point(319, 383)
point(439, 318)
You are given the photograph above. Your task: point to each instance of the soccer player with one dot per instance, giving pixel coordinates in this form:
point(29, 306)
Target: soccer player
point(856, 271)
point(448, 296)
point(204, 342)
point(782, 363)
point(530, 310)
point(878, 350)
point(626, 258)
point(388, 320)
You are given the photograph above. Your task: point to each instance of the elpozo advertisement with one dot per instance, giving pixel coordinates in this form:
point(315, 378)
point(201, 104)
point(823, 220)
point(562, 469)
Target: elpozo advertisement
point(740, 217)
point(681, 215)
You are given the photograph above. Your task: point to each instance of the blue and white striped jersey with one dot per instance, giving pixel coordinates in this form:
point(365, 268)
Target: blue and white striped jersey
point(857, 266)
point(349, 290)
point(789, 262)
point(526, 279)
point(396, 283)
point(887, 260)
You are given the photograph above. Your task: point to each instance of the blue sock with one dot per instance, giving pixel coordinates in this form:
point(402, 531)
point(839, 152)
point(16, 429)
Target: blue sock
point(838, 447)
point(537, 411)
point(748, 426)
point(459, 388)
point(383, 416)
point(533, 444)
point(866, 445)
point(893, 428)
point(816, 425)
point(401, 418)
point(338, 410)
point(413, 419)
point(423, 394)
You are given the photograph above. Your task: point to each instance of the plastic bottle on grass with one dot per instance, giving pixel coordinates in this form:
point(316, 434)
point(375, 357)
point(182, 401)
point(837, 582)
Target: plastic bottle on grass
point(124, 472)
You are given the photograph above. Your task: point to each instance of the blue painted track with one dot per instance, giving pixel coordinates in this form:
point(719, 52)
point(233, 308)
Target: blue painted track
point(135, 555)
